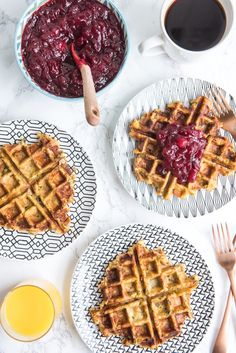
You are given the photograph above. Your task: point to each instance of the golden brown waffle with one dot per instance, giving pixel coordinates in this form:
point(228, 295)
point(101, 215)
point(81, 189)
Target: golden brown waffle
point(219, 156)
point(55, 191)
point(146, 299)
point(36, 186)
point(12, 183)
point(25, 213)
point(34, 160)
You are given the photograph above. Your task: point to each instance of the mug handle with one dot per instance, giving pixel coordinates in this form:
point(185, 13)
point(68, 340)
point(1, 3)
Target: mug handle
point(152, 46)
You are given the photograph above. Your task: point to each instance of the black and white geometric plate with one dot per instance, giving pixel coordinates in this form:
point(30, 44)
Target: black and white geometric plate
point(90, 270)
point(157, 96)
point(21, 245)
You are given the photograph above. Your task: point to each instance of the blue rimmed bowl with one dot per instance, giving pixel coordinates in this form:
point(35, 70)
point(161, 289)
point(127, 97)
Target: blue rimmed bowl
point(18, 37)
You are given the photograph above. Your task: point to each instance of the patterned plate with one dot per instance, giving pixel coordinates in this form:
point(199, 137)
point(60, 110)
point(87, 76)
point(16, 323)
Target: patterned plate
point(158, 95)
point(90, 270)
point(25, 246)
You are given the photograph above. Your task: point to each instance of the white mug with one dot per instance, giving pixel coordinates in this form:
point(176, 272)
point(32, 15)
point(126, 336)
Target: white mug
point(160, 44)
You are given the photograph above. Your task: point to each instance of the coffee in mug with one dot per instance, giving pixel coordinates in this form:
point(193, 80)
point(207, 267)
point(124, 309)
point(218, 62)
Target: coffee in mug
point(195, 24)
point(191, 29)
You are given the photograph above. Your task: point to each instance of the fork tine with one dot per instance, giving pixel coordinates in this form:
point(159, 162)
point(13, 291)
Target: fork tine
point(216, 112)
point(215, 240)
point(221, 244)
point(214, 237)
point(216, 107)
point(230, 244)
point(228, 107)
point(218, 102)
point(224, 239)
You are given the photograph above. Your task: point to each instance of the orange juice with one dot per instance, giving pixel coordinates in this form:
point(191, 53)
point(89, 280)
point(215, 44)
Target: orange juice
point(28, 311)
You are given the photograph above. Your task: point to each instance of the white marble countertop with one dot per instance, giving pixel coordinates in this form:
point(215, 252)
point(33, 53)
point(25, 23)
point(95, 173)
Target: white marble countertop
point(114, 206)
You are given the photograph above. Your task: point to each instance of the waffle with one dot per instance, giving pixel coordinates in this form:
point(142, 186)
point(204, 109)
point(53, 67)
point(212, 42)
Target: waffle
point(55, 191)
point(36, 186)
point(146, 299)
point(34, 160)
point(12, 184)
point(24, 213)
point(219, 156)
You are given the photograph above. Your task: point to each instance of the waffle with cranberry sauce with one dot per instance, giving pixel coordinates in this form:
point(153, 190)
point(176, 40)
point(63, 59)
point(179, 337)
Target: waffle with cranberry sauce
point(179, 151)
point(146, 299)
point(36, 186)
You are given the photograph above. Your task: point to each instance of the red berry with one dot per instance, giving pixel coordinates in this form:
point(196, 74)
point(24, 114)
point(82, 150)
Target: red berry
point(181, 142)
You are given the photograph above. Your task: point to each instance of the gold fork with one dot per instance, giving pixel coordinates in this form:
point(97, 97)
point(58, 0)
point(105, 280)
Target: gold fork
point(224, 111)
point(225, 253)
point(221, 342)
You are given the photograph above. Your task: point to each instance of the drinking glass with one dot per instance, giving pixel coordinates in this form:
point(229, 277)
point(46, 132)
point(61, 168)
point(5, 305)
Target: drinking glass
point(29, 310)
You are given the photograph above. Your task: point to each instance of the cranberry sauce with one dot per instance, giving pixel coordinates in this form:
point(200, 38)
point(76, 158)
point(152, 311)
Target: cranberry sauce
point(182, 150)
point(46, 40)
point(195, 24)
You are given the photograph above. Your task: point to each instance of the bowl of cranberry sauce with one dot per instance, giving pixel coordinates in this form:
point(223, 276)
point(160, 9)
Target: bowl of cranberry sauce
point(44, 36)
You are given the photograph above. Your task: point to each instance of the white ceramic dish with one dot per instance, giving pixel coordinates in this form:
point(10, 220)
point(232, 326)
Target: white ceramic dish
point(157, 96)
point(22, 245)
point(159, 44)
point(90, 270)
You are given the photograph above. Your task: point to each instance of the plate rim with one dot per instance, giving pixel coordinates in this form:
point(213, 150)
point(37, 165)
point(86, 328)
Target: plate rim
point(126, 225)
point(161, 81)
point(6, 122)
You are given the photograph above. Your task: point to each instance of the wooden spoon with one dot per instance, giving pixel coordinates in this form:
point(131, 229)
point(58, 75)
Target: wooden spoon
point(91, 108)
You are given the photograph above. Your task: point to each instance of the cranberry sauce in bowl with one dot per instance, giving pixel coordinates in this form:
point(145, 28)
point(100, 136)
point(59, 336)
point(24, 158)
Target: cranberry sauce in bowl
point(48, 34)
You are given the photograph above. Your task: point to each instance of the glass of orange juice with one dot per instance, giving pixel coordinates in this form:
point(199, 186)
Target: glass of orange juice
point(29, 310)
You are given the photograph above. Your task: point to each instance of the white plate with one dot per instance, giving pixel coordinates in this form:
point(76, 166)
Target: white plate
point(157, 96)
point(21, 245)
point(91, 269)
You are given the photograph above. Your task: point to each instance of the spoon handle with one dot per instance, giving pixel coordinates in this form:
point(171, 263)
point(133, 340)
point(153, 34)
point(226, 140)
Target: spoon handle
point(92, 112)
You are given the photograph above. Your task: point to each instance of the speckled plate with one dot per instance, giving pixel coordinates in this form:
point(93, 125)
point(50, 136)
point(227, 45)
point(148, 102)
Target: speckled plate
point(21, 245)
point(91, 269)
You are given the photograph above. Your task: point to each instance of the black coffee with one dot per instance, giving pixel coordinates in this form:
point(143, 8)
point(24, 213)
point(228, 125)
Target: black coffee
point(195, 24)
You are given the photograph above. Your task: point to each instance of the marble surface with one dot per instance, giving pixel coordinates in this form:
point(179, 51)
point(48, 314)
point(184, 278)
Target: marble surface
point(114, 206)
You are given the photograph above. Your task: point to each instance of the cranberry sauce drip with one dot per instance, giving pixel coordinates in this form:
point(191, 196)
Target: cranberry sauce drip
point(46, 40)
point(182, 150)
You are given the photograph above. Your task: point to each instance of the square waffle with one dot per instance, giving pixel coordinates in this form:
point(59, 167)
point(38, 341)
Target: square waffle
point(12, 184)
point(219, 156)
point(55, 191)
point(36, 186)
point(24, 213)
point(34, 160)
point(146, 299)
